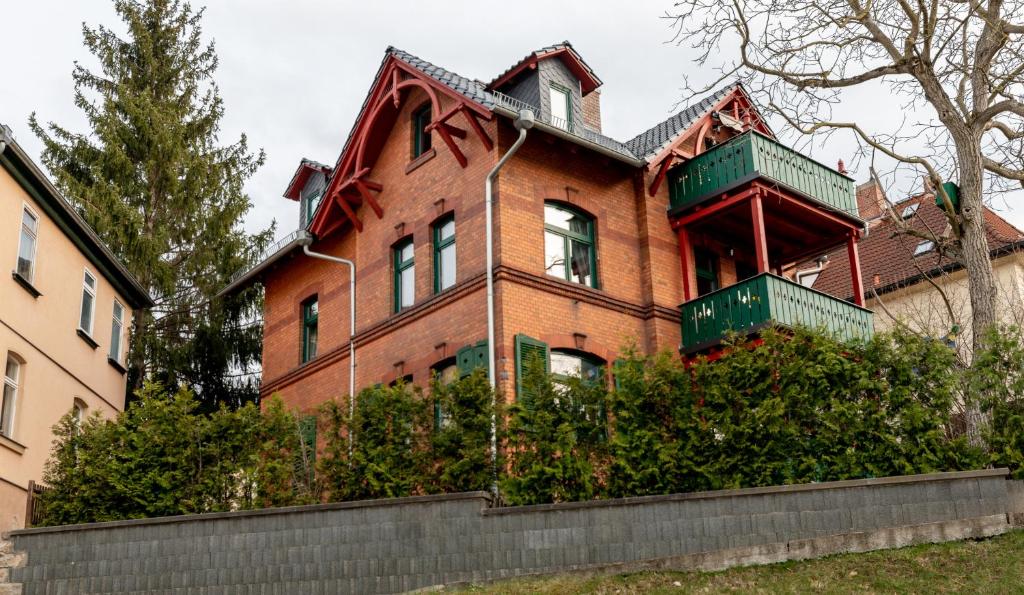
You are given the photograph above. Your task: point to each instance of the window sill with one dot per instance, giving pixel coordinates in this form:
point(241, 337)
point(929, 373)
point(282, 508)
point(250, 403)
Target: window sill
point(117, 365)
point(425, 157)
point(563, 281)
point(12, 445)
point(88, 340)
point(26, 284)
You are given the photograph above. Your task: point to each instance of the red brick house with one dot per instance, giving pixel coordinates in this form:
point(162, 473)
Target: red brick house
point(597, 242)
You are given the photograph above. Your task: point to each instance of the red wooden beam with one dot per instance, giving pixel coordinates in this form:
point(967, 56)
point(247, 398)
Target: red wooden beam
point(447, 138)
point(685, 261)
point(698, 148)
point(800, 203)
point(855, 274)
point(760, 237)
point(726, 202)
point(658, 179)
point(338, 198)
point(454, 130)
point(364, 191)
point(480, 132)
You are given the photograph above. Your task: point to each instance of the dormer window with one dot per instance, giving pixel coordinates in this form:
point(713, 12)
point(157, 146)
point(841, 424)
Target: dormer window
point(310, 197)
point(561, 106)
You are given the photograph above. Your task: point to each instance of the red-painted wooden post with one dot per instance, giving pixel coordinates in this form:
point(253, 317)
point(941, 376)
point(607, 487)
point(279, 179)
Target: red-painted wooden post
point(760, 239)
point(855, 277)
point(685, 261)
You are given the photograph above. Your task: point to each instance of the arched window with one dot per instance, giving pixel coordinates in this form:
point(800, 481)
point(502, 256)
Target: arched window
point(78, 412)
point(569, 246)
point(566, 364)
point(447, 372)
point(12, 373)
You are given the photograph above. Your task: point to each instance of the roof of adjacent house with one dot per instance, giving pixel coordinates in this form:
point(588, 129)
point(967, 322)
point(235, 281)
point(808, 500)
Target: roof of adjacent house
point(887, 257)
point(57, 208)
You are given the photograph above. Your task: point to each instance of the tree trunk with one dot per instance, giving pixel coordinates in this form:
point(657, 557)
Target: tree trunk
point(974, 251)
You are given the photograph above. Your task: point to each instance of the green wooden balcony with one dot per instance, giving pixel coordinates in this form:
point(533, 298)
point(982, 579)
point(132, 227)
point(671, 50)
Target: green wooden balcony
point(765, 300)
point(751, 156)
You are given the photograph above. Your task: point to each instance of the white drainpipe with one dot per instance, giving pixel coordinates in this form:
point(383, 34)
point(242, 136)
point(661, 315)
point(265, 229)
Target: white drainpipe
point(523, 122)
point(306, 241)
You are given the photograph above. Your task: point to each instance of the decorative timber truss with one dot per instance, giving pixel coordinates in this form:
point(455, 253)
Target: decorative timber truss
point(351, 186)
point(735, 110)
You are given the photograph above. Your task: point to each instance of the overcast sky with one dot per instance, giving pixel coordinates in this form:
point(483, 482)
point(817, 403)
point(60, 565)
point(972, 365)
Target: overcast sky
point(294, 73)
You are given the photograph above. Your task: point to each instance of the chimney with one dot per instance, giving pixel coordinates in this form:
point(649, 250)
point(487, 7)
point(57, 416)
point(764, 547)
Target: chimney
point(592, 110)
point(871, 200)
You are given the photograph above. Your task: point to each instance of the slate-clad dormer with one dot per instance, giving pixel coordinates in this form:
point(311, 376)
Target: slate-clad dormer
point(559, 83)
point(307, 187)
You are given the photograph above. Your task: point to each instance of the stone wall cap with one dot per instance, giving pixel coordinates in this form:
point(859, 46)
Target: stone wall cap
point(484, 497)
point(799, 487)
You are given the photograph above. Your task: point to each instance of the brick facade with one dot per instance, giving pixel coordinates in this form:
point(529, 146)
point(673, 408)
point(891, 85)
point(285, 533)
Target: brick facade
point(638, 267)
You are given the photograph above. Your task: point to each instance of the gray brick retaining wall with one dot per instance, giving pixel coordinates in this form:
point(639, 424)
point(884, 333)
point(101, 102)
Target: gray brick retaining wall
point(410, 543)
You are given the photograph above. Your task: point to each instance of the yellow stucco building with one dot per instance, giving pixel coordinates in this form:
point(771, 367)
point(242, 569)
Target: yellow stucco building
point(65, 315)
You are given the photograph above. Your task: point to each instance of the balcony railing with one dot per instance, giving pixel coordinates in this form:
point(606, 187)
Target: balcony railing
point(750, 156)
point(764, 300)
point(575, 128)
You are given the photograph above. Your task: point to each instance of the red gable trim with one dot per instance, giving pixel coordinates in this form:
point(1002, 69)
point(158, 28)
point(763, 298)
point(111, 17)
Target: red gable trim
point(301, 176)
point(371, 128)
point(588, 80)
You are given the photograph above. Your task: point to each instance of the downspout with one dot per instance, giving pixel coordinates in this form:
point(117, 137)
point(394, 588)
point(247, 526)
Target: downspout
point(306, 241)
point(523, 122)
point(800, 275)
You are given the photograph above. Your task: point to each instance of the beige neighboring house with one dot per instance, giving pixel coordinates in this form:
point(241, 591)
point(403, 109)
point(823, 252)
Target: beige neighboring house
point(896, 269)
point(65, 315)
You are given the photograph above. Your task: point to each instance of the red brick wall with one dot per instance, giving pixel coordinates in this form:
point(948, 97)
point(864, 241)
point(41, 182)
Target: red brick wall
point(592, 110)
point(638, 267)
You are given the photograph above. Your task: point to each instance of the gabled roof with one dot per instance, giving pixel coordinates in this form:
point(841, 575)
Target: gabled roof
point(887, 257)
point(38, 186)
point(469, 88)
point(307, 167)
point(564, 50)
point(654, 139)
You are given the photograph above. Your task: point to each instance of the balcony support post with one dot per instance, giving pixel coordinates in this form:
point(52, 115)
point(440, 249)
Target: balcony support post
point(760, 239)
point(855, 276)
point(685, 261)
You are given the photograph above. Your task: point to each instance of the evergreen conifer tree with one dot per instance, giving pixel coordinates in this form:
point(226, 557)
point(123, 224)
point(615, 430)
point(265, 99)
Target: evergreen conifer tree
point(153, 180)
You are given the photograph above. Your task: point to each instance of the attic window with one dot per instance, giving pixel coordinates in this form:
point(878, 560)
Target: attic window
point(910, 210)
point(924, 247)
point(420, 136)
point(561, 109)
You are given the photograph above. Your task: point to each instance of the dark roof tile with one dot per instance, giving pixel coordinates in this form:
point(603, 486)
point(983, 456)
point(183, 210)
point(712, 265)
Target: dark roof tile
point(650, 141)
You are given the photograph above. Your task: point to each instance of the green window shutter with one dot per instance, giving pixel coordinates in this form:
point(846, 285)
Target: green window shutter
point(471, 357)
point(465, 360)
point(528, 348)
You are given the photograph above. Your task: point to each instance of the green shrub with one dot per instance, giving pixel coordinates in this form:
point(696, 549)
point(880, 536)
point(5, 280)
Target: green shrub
point(161, 457)
point(460, 435)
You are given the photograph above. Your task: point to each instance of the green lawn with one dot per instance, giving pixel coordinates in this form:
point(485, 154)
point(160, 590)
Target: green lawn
point(988, 566)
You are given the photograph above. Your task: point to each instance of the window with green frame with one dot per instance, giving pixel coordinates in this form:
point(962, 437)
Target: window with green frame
point(569, 245)
point(420, 136)
point(706, 263)
point(310, 316)
point(405, 275)
point(444, 254)
point(560, 100)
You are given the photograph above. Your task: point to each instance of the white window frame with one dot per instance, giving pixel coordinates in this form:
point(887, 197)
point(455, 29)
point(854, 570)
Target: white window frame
point(13, 384)
point(116, 340)
point(91, 291)
point(78, 412)
point(565, 96)
point(26, 208)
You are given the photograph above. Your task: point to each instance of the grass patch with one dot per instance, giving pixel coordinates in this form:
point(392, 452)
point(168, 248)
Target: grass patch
point(993, 565)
